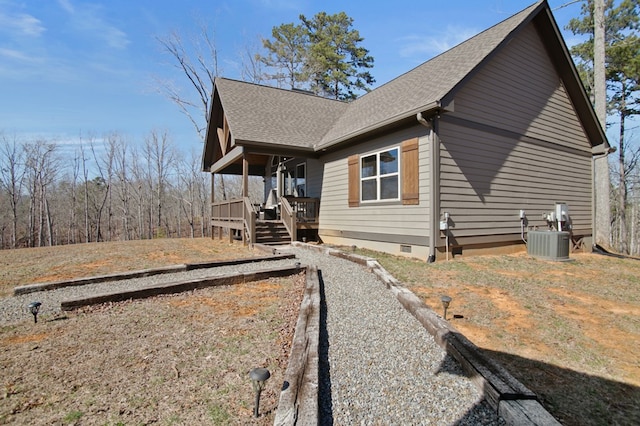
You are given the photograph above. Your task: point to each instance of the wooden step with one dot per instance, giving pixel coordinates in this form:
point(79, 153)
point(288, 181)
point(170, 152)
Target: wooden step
point(271, 232)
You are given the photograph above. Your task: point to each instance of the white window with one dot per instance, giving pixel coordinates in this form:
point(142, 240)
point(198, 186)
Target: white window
point(379, 176)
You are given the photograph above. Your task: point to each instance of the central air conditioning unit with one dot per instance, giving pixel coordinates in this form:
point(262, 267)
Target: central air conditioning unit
point(548, 245)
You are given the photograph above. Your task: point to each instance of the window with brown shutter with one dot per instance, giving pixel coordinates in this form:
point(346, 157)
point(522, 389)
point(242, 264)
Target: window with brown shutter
point(410, 168)
point(354, 180)
point(374, 177)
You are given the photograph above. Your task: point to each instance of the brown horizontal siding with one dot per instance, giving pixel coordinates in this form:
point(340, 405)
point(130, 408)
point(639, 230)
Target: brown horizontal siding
point(519, 166)
point(486, 178)
point(481, 176)
point(471, 127)
point(483, 105)
point(520, 91)
point(485, 183)
point(411, 239)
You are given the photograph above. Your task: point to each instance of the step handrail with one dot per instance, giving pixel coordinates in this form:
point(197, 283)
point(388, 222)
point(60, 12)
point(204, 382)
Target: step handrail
point(249, 220)
point(288, 215)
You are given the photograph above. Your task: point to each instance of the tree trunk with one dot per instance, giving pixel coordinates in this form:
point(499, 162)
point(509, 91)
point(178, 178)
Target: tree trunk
point(601, 165)
point(622, 206)
point(49, 222)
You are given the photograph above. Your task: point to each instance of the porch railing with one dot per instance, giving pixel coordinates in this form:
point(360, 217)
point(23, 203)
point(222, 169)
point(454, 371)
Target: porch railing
point(306, 209)
point(295, 210)
point(237, 214)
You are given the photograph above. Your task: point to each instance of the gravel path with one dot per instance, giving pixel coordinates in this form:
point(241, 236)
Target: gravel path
point(378, 365)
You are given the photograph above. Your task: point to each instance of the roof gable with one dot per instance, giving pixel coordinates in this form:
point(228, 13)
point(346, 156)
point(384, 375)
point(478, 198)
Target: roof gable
point(425, 86)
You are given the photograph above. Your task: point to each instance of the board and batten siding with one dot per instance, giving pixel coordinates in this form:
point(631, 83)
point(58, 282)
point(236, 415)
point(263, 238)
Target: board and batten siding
point(513, 143)
point(386, 222)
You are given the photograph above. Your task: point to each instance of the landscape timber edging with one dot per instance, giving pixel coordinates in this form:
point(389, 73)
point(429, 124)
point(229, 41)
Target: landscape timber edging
point(298, 402)
point(513, 401)
point(179, 287)
point(32, 288)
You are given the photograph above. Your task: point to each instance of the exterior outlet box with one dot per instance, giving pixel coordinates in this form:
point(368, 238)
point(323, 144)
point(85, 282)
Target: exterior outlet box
point(444, 225)
point(548, 245)
point(562, 212)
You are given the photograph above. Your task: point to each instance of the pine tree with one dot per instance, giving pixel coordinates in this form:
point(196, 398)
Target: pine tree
point(622, 59)
point(286, 54)
point(323, 54)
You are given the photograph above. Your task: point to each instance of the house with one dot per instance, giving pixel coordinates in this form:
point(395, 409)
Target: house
point(463, 152)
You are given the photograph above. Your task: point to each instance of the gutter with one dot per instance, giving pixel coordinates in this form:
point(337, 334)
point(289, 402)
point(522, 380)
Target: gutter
point(608, 150)
point(378, 125)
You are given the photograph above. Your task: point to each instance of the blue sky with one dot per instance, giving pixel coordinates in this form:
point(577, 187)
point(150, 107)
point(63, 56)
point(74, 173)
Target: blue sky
point(77, 68)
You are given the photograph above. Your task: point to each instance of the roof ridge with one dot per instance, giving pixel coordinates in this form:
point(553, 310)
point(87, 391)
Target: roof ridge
point(294, 91)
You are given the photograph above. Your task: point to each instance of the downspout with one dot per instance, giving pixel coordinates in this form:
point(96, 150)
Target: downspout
point(434, 155)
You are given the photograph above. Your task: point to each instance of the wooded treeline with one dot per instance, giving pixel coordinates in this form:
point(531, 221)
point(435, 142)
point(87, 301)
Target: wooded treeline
point(101, 190)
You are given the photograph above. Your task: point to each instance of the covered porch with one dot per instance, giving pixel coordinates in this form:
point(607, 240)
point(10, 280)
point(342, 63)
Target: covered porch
point(271, 134)
point(284, 214)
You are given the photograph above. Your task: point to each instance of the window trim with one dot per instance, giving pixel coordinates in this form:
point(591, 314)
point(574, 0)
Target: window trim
point(378, 176)
point(409, 176)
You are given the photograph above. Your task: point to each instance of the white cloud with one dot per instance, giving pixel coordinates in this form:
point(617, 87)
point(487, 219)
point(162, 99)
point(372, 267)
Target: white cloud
point(21, 24)
point(89, 19)
point(432, 45)
point(17, 55)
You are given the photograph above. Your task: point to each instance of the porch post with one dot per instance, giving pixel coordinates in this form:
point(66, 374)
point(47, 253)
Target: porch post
point(245, 175)
point(245, 192)
point(213, 200)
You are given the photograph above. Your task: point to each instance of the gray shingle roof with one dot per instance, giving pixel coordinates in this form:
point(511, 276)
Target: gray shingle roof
point(269, 115)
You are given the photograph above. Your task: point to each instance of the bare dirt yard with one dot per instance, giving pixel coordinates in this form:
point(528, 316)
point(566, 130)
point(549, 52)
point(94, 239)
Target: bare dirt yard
point(570, 331)
point(181, 359)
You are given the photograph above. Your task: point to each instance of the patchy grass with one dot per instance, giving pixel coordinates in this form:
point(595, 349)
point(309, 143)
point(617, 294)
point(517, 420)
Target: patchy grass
point(45, 264)
point(170, 360)
point(568, 330)
point(182, 359)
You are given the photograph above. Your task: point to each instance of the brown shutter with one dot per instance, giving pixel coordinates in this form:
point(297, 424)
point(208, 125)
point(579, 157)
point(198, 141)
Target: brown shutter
point(354, 181)
point(410, 183)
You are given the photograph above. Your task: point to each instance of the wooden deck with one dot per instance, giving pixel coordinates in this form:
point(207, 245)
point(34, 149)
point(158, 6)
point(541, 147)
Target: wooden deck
point(295, 213)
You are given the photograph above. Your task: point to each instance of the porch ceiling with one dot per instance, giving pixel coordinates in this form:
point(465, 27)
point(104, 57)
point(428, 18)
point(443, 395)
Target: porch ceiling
point(233, 165)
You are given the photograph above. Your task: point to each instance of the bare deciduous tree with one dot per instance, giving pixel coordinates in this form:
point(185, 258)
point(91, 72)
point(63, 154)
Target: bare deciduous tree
point(160, 155)
point(198, 62)
point(199, 65)
point(12, 178)
point(42, 167)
